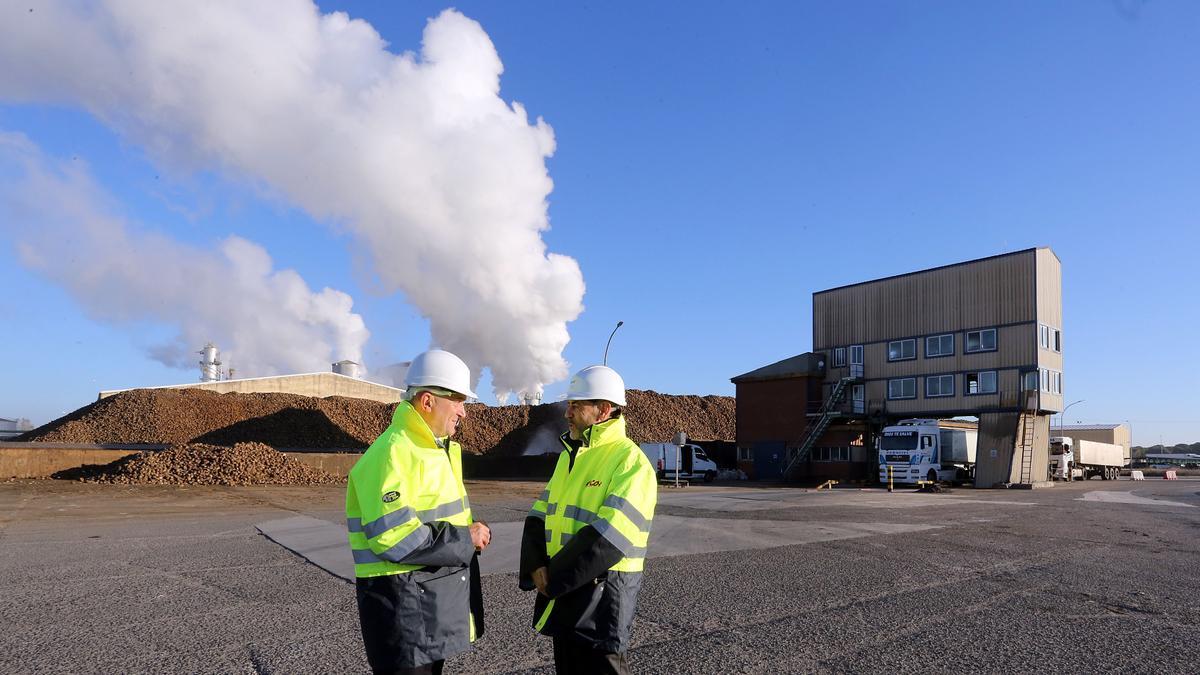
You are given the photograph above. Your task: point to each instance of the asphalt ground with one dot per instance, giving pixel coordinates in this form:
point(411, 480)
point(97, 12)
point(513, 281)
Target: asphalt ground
point(1097, 576)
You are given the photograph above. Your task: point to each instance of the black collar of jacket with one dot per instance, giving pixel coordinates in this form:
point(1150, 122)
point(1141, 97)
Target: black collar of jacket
point(572, 444)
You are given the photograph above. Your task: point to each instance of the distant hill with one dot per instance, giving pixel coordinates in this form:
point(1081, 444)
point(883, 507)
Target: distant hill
point(1177, 449)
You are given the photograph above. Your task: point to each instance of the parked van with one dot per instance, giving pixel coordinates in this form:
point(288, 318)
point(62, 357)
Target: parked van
point(691, 458)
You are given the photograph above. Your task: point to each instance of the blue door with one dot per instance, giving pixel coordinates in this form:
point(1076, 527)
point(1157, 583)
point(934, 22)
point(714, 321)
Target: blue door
point(770, 459)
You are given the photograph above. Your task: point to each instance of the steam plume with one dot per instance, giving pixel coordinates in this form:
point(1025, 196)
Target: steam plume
point(267, 321)
point(441, 181)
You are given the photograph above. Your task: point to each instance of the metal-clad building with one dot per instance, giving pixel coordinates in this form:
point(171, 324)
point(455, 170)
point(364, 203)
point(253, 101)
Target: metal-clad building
point(1117, 434)
point(13, 427)
point(951, 340)
point(318, 385)
point(982, 337)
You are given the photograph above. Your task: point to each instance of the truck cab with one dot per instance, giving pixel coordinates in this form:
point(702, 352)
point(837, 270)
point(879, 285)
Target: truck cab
point(1062, 459)
point(925, 450)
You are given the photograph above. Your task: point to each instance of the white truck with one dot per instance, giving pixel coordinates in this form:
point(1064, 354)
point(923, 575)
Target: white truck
point(1080, 460)
point(667, 457)
point(928, 449)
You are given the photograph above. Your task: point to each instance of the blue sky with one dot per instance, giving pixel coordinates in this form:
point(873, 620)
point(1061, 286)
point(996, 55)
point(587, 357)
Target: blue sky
point(714, 167)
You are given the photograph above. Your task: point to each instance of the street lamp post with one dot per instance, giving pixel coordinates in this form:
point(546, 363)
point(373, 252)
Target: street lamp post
point(610, 337)
point(1062, 416)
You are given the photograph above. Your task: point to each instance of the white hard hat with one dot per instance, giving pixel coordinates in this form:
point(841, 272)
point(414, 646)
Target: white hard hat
point(597, 383)
point(436, 368)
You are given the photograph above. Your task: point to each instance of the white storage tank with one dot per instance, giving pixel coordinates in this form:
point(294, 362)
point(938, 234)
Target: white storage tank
point(210, 363)
point(348, 368)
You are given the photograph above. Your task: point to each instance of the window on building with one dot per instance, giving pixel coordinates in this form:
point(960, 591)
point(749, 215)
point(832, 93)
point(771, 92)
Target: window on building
point(1049, 337)
point(1045, 379)
point(1029, 381)
point(939, 345)
point(900, 350)
point(904, 387)
point(939, 385)
point(856, 354)
point(745, 454)
point(981, 340)
point(841, 454)
point(1058, 383)
point(980, 383)
point(839, 357)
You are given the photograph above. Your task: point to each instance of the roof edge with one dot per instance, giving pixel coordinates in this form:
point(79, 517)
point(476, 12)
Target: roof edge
point(935, 269)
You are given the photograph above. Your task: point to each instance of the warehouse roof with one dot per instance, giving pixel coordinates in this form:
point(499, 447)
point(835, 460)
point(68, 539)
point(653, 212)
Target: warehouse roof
point(1090, 427)
point(320, 385)
point(801, 365)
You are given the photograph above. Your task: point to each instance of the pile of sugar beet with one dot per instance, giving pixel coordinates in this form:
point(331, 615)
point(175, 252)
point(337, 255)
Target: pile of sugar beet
point(233, 439)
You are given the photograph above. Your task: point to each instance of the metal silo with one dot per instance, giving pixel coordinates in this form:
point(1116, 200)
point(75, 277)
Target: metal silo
point(210, 363)
point(348, 368)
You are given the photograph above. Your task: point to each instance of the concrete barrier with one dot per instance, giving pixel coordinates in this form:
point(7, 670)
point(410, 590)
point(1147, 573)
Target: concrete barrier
point(41, 460)
point(1169, 474)
point(1136, 474)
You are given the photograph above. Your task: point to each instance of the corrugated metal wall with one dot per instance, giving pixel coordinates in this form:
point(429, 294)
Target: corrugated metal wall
point(987, 292)
point(1010, 293)
point(998, 459)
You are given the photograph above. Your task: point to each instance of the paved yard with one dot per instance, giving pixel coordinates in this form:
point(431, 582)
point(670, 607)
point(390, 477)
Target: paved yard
point(1089, 577)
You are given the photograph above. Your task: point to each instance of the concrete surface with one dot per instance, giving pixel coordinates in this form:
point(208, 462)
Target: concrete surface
point(102, 578)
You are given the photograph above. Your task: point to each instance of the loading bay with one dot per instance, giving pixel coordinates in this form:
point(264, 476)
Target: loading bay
point(1097, 576)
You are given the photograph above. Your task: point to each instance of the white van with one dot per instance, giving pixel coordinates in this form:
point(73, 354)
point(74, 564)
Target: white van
point(695, 464)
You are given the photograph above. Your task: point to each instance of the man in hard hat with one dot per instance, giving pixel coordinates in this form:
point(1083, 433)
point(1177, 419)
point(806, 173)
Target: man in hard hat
point(584, 543)
point(411, 532)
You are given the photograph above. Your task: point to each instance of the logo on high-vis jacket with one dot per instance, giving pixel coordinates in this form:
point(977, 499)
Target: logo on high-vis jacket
point(391, 497)
point(593, 483)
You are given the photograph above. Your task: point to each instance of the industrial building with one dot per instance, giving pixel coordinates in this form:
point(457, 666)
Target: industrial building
point(345, 379)
point(981, 338)
point(318, 385)
point(775, 405)
point(1117, 434)
point(13, 427)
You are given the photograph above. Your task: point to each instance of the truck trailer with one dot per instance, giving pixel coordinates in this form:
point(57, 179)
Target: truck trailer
point(1080, 460)
point(928, 450)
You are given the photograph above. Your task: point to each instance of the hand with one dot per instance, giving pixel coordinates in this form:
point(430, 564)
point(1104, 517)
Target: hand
point(541, 579)
point(481, 535)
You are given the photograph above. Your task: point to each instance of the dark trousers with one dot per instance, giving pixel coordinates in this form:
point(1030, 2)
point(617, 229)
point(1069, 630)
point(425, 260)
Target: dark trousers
point(434, 668)
point(572, 657)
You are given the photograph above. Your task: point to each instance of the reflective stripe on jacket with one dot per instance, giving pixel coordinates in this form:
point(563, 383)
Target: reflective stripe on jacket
point(418, 576)
point(403, 481)
point(609, 490)
point(611, 486)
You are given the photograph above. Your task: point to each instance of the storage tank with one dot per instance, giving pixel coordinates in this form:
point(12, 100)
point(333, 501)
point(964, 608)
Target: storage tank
point(210, 363)
point(348, 368)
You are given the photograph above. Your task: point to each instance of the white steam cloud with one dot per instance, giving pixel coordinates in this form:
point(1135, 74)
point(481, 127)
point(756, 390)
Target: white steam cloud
point(266, 321)
point(442, 182)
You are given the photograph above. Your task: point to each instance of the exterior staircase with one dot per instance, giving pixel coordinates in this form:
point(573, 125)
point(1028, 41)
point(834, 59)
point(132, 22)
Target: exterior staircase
point(828, 413)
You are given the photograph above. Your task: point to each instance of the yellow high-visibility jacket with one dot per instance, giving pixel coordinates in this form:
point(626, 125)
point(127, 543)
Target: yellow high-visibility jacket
point(408, 519)
point(606, 484)
point(401, 483)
